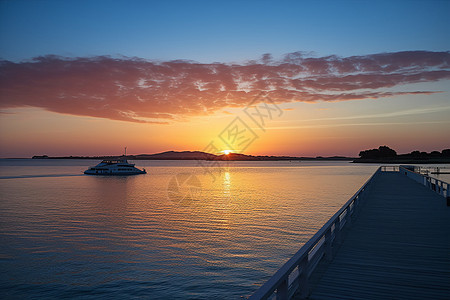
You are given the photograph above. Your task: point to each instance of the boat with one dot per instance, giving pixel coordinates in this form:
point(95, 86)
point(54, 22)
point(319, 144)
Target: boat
point(119, 166)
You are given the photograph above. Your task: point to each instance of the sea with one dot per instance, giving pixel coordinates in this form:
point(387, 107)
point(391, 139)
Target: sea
point(184, 230)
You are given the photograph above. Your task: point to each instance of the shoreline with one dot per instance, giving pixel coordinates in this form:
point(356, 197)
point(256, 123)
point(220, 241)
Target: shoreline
point(402, 161)
point(131, 157)
point(198, 155)
point(299, 159)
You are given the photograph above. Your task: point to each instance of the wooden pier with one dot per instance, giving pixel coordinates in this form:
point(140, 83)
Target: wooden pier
point(391, 240)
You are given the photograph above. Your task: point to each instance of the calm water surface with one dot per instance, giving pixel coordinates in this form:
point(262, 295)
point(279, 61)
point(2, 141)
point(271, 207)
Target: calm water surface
point(177, 232)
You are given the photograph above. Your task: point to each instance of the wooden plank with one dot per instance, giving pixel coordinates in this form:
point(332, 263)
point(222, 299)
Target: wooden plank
point(397, 248)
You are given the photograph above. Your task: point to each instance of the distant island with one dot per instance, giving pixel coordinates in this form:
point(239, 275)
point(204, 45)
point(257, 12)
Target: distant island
point(384, 154)
point(198, 155)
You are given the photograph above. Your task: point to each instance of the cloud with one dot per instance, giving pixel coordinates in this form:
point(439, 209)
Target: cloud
point(138, 90)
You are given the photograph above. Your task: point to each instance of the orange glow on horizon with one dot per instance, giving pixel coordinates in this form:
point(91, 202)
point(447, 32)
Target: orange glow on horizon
point(319, 129)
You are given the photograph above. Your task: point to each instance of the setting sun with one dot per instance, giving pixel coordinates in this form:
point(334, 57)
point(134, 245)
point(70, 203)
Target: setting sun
point(226, 152)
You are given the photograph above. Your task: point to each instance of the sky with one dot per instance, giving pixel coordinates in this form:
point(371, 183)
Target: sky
point(301, 78)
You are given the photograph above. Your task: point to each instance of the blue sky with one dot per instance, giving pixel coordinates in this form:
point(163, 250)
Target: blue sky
point(394, 90)
point(225, 31)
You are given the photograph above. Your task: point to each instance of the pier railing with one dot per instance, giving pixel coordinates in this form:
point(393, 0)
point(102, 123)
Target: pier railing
point(294, 275)
point(439, 186)
point(390, 168)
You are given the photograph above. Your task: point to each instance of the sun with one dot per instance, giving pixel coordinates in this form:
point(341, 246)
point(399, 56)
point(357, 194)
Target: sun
point(226, 152)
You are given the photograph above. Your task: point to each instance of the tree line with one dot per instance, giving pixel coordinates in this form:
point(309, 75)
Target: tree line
point(384, 152)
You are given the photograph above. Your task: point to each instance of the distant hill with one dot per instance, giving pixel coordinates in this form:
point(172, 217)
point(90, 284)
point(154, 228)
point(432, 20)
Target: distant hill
point(198, 155)
point(175, 155)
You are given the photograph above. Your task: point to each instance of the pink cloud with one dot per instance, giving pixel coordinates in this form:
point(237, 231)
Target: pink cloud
point(138, 90)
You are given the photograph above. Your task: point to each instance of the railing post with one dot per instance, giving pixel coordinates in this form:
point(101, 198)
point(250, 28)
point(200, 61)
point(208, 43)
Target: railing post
point(348, 217)
point(303, 284)
point(357, 200)
point(282, 290)
point(328, 245)
point(337, 231)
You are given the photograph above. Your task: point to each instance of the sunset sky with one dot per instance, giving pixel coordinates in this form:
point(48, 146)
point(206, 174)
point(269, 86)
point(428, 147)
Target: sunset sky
point(336, 77)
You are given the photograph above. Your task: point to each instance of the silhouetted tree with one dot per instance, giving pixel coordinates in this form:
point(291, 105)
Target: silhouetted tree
point(415, 154)
point(381, 152)
point(446, 152)
point(385, 151)
point(435, 154)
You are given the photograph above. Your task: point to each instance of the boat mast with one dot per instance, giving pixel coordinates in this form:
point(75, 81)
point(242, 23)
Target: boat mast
point(125, 151)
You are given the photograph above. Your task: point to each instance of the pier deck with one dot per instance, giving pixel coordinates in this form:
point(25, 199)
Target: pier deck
point(391, 240)
point(398, 246)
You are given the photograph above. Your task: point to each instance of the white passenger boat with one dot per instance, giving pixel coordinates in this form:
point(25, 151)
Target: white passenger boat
point(118, 166)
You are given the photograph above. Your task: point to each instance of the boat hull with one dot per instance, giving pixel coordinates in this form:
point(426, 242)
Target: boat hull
point(89, 172)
